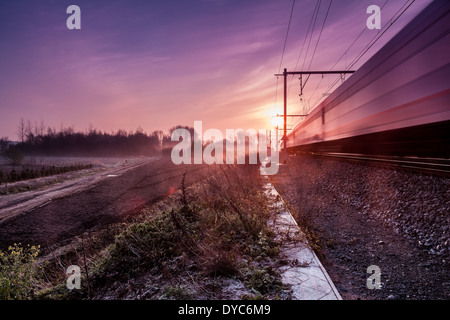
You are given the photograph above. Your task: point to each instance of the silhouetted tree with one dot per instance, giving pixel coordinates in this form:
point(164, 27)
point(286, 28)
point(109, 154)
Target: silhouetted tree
point(94, 142)
point(21, 130)
point(4, 143)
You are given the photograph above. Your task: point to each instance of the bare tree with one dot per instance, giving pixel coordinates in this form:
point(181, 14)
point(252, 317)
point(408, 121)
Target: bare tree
point(51, 132)
point(139, 130)
point(91, 129)
point(159, 134)
point(42, 128)
point(36, 128)
point(21, 130)
point(4, 143)
point(29, 131)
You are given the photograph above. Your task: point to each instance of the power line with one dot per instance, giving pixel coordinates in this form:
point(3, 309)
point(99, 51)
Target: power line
point(389, 24)
point(318, 40)
point(284, 49)
point(287, 33)
point(307, 32)
point(309, 42)
point(345, 52)
point(320, 34)
point(382, 33)
point(316, 11)
point(313, 17)
point(359, 35)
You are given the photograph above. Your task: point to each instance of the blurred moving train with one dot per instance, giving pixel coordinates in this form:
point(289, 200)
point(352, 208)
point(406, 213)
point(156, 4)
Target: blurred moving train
point(396, 104)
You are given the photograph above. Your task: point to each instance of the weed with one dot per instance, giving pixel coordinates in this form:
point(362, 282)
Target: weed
point(217, 261)
point(263, 280)
point(217, 228)
point(17, 272)
point(176, 293)
point(253, 296)
point(265, 246)
point(144, 244)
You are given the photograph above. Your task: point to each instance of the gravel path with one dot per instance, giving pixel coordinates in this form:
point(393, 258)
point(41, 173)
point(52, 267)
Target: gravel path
point(359, 216)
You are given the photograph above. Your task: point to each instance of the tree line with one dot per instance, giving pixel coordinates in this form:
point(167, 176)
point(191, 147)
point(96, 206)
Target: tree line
point(38, 139)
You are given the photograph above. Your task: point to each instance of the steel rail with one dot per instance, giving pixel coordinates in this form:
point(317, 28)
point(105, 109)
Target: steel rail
point(433, 166)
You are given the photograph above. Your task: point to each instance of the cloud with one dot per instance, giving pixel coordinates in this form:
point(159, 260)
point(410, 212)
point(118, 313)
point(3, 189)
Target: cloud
point(161, 63)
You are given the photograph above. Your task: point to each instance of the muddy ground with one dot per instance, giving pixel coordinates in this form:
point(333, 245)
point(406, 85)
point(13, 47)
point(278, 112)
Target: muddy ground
point(106, 201)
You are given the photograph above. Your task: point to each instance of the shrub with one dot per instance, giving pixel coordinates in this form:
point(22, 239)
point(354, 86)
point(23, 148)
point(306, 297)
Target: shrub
point(13, 176)
point(14, 155)
point(263, 280)
point(28, 173)
point(176, 293)
point(17, 272)
point(145, 245)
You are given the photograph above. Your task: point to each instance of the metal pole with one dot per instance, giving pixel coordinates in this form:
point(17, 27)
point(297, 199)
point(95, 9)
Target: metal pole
point(285, 73)
point(285, 116)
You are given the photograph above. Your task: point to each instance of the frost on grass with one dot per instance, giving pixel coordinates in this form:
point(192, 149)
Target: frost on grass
point(211, 240)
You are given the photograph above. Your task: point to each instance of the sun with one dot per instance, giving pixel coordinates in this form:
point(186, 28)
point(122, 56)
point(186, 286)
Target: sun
point(277, 121)
point(276, 116)
point(268, 115)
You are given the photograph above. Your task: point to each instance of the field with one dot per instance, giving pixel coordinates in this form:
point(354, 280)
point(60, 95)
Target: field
point(46, 171)
point(170, 232)
point(36, 162)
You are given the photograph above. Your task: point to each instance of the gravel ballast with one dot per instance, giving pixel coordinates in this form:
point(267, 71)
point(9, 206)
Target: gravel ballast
point(357, 216)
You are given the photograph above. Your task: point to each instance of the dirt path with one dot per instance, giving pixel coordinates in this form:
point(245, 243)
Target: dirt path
point(18, 203)
point(67, 210)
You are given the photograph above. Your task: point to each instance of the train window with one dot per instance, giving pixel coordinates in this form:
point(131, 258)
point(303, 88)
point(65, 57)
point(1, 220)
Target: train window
point(323, 115)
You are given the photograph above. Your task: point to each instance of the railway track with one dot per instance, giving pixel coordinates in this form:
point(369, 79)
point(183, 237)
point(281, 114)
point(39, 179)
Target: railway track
point(431, 166)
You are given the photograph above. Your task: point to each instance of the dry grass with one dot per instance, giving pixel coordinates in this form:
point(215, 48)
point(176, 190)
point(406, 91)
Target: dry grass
point(202, 235)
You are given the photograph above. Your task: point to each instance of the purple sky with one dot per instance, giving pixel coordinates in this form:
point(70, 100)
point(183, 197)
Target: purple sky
point(156, 64)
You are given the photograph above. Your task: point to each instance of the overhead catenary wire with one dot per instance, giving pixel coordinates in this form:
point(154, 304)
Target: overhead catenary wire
point(320, 34)
point(309, 34)
point(342, 56)
point(370, 44)
point(287, 34)
point(310, 37)
point(284, 49)
point(315, 12)
point(318, 40)
point(378, 36)
point(356, 39)
point(345, 52)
